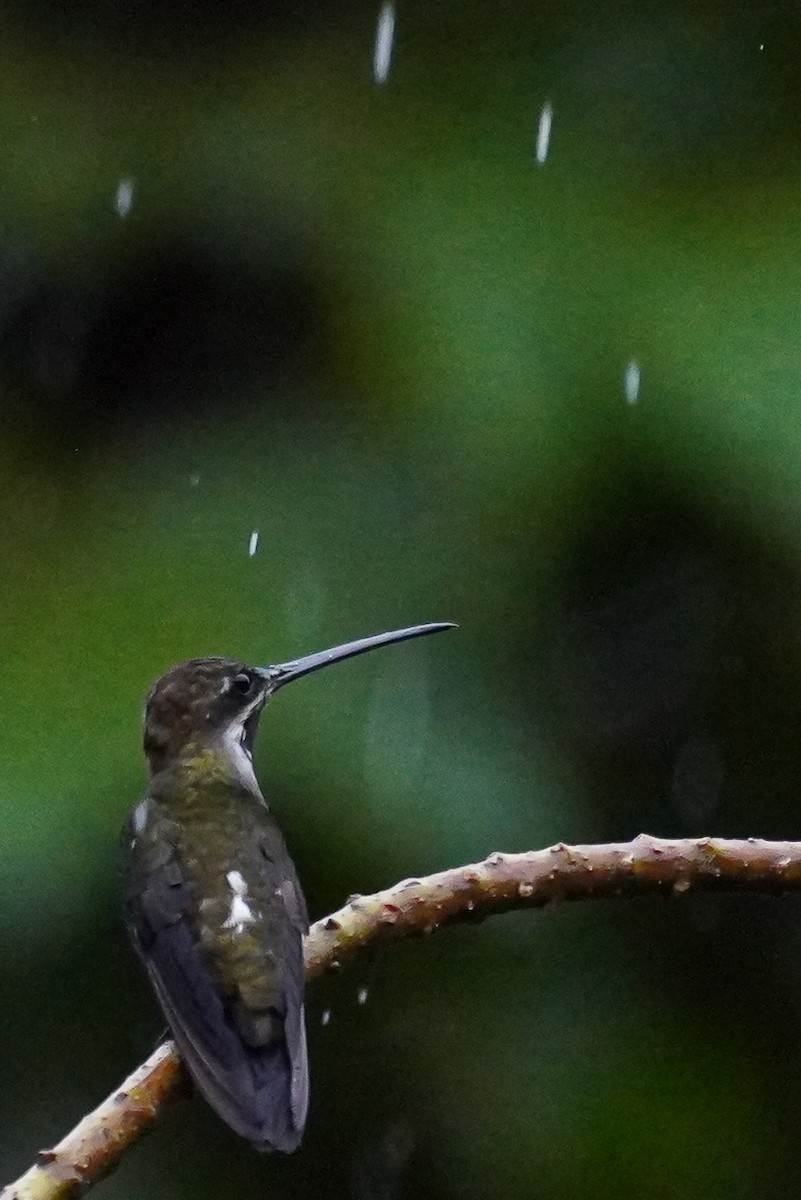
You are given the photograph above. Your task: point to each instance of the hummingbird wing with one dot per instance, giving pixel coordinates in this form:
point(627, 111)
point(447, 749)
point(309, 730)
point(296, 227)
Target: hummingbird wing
point(260, 1090)
point(294, 984)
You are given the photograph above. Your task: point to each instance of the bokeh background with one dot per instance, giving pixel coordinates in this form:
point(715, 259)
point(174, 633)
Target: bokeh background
point(448, 363)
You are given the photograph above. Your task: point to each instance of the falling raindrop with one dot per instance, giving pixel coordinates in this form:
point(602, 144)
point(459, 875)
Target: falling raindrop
point(253, 543)
point(326, 1017)
point(631, 382)
point(544, 133)
point(384, 35)
point(361, 995)
point(194, 479)
point(124, 197)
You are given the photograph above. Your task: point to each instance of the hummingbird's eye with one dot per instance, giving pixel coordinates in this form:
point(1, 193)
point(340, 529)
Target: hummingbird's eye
point(242, 684)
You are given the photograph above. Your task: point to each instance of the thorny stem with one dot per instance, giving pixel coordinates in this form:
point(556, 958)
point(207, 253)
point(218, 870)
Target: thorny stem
point(501, 882)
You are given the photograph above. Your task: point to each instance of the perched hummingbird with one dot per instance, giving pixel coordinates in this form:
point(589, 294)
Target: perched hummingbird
point(213, 902)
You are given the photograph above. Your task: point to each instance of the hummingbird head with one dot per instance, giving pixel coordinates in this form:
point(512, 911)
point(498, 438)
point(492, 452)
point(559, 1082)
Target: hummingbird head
point(201, 701)
point(219, 700)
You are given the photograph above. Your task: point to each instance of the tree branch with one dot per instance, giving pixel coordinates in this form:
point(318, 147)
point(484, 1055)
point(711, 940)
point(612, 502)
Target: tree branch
point(500, 883)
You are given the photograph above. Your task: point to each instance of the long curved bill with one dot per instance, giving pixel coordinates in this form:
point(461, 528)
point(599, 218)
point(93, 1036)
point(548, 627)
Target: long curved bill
point(283, 673)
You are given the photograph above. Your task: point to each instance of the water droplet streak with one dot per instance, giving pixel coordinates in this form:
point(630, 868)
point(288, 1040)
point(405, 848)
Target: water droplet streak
point(384, 36)
point(544, 134)
point(124, 197)
point(631, 382)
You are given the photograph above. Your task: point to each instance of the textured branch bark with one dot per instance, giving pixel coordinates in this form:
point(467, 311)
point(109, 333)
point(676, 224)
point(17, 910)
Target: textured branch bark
point(416, 906)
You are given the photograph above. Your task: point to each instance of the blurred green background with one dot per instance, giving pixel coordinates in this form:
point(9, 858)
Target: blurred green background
point(447, 372)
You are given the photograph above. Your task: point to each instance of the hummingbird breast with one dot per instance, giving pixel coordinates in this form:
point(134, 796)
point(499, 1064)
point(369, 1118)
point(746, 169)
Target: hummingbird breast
point(244, 903)
point(242, 920)
point(218, 916)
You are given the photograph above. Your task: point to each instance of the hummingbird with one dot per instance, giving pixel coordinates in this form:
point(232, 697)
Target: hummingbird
point(213, 903)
